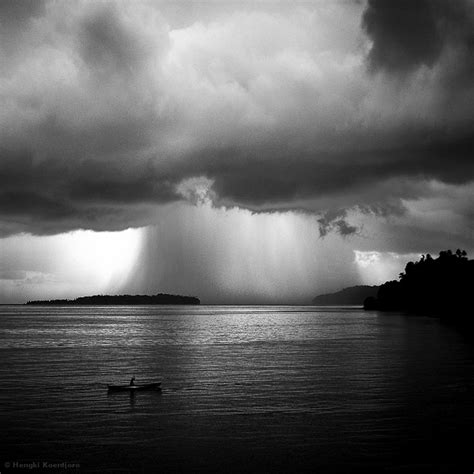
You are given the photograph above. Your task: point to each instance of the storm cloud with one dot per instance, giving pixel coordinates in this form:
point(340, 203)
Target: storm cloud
point(408, 35)
point(405, 34)
point(108, 108)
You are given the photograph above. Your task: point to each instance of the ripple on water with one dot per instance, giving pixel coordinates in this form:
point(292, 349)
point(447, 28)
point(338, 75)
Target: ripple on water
point(298, 387)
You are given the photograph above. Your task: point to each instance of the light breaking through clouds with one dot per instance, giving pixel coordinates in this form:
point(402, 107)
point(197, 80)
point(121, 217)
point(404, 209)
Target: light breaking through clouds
point(358, 115)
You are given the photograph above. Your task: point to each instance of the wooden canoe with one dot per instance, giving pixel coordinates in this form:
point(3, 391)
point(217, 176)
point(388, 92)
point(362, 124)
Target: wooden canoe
point(133, 388)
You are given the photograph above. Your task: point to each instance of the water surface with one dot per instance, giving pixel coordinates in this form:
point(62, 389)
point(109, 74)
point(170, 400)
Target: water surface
point(245, 389)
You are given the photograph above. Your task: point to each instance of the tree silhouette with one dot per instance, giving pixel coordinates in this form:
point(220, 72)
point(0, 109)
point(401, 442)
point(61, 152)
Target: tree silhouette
point(439, 287)
point(104, 300)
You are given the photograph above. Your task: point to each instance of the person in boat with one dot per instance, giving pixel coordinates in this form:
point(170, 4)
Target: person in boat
point(132, 381)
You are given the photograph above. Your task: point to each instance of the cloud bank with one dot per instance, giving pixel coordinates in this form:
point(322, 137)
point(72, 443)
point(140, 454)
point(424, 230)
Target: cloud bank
point(111, 109)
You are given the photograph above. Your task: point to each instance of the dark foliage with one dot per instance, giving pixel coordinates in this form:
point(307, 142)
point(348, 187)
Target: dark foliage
point(104, 300)
point(434, 286)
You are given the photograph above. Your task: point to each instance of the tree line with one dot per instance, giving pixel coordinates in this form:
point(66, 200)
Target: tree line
point(439, 286)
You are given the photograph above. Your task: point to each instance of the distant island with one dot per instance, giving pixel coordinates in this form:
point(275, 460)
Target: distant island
point(434, 286)
point(115, 300)
point(353, 295)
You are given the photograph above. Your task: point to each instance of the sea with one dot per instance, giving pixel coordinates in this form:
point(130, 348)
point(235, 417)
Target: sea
point(267, 389)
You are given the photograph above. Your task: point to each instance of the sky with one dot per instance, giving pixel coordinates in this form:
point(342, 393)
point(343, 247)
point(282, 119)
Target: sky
point(241, 152)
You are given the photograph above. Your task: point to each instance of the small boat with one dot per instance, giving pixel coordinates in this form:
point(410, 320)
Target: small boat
point(133, 388)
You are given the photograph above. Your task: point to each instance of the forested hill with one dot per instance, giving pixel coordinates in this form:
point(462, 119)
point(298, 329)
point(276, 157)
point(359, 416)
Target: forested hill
point(434, 286)
point(353, 295)
point(104, 300)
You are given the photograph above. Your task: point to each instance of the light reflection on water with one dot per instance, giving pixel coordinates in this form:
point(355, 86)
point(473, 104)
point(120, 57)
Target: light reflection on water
point(244, 388)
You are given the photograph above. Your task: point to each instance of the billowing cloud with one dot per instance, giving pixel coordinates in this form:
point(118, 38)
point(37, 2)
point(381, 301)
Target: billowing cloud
point(109, 110)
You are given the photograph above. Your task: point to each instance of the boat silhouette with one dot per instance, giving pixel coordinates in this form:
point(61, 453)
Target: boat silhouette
point(135, 387)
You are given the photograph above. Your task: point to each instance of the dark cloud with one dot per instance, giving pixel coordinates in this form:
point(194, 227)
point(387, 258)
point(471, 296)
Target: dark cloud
point(261, 183)
point(335, 221)
point(15, 19)
point(409, 34)
point(107, 44)
point(55, 195)
point(405, 34)
point(344, 228)
point(14, 11)
point(106, 110)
